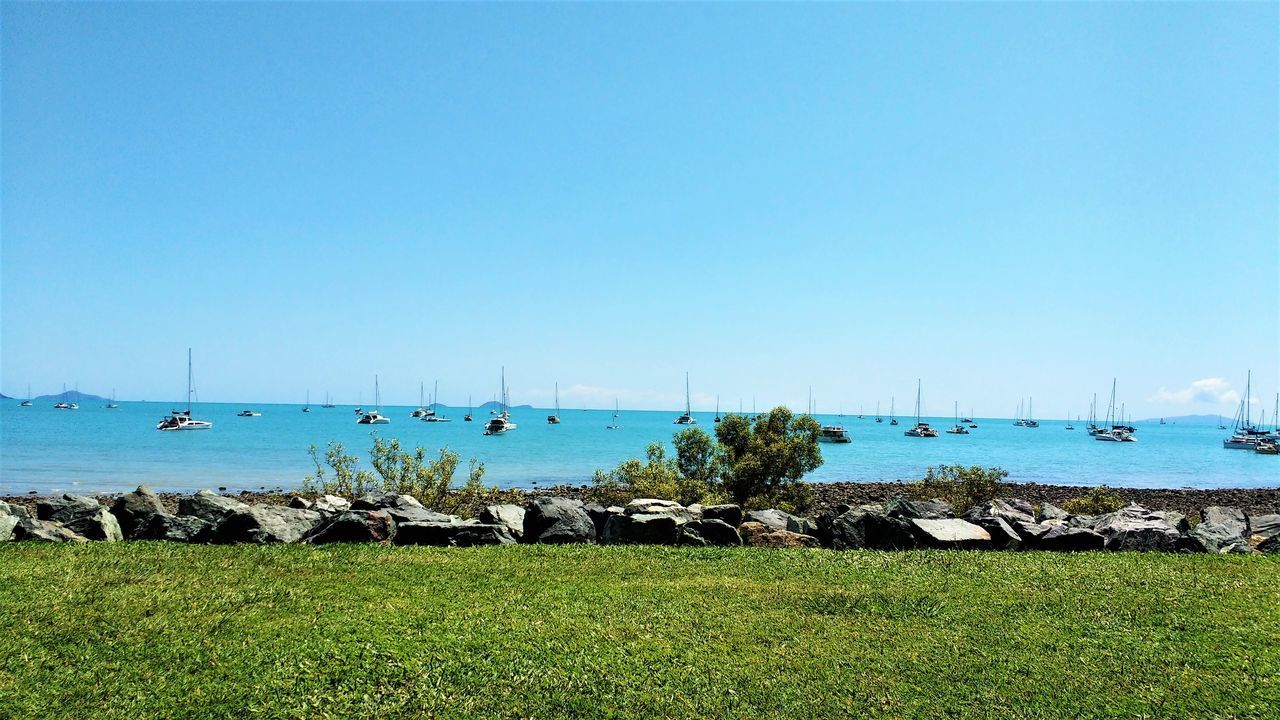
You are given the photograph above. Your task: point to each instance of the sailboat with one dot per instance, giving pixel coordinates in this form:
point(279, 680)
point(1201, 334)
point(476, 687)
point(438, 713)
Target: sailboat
point(111, 404)
point(1245, 436)
point(893, 420)
point(375, 417)
point(467, 417)
point(1069, 425)
point(687, 418)
point(1117, 432)
point(717, 408)
point(27, 402)
point(307, 407)
point(554, 418)
point(958, 428)
point(921, 428)
point(181, 419)
point(501, 423)
point(421, 410)
point(1029, 422)
point(614, 425)
point(878, 418)
point(432, 410)
point(327, 403)
point(63, 404)
point(972, 424)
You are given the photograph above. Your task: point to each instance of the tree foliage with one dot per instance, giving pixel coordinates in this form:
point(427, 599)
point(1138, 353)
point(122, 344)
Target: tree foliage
point(963, 487)
point(766, 459)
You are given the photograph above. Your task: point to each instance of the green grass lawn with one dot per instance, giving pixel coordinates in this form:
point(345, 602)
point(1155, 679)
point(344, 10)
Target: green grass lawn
point(140, 630)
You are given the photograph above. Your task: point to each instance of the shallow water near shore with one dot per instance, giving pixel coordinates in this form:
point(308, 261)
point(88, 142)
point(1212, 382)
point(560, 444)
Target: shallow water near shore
point(94, 449)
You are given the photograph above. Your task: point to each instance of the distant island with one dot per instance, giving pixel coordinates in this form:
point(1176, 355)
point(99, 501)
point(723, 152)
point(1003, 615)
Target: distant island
point(1191, 420)
point(74, 396)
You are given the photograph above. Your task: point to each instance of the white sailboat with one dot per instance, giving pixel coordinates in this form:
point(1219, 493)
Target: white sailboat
point(893, 419)
point(1030, 421)
point(921, 428)
point(63, 404)
point(27, 402)
point(421, 410)
point(432, 414)
point(181, 419)
point(467, 417)
point(958, 428)
point(376, 417)
point(1244, 435)
point(614, 425)
point(327, 402)
point(687, 418)
point(1116, 432)
point(554, 418)
point(501, 424)
point(307, 407)
point(111, 404)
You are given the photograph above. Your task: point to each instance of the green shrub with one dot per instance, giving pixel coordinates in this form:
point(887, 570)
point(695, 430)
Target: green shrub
point(764, 461)
point(658, 476)
point(1100, 501)
point(345, 480)
point(963, 487)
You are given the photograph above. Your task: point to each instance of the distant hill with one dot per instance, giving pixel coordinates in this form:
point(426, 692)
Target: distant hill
point(1192, 420)
point(70, 396)
point(492, 405)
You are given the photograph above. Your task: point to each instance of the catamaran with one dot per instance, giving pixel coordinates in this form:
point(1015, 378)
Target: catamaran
point(181, 419)
point(64, 405)
point(554, 418)
point(687, 418)
point(421, 410)
point(375, 417)
point(921, 429)
point(501, 422)
point(958, 428)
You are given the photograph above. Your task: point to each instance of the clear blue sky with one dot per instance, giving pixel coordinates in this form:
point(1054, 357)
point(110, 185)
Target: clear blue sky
point(1005, 200)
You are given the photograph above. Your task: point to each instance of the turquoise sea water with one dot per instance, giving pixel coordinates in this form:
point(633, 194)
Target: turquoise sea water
point(94, 449)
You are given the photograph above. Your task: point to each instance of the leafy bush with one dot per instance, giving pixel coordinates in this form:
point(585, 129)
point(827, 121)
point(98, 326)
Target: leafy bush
point(688, 478)
point(1100, 501)
point(409, 473)
point(764, 461)
point(963, 487)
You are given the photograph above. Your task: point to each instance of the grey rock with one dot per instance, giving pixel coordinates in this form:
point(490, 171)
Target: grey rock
point(1064, 538)
point(18, 511)
point(870, 527)
point(1133, 527)
point(651, 505)
point(641, 529)
point(728, 513)
point(1030, 532)
point(134, 510)
point(1231, 519)
point(262, 524)
point(1264, 533)
point(177, 528)
point(210, 507)
point(1011, 510)
point(355, 526)
point(331, 504)
point(905, 509)
point(402, 508)
point(1080, 521)
point(451, 534)
point(950, 533)
point(1003, 536)
point(81, 515)
point(779, 520)
point(557, 520)
point(29, 528)
point(708, 532)
point(7, 524)
point(1049, 511)
point(509, 516)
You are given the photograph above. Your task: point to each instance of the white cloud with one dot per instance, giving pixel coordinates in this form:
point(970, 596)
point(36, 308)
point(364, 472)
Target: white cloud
point(1208, 391)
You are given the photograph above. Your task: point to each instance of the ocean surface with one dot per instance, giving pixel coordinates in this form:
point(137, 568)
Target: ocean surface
point(98, 450)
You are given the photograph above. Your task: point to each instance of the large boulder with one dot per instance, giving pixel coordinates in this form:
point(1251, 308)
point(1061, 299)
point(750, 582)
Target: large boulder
point(869, 526)
point(30, 528)
point(557, 520)
point(709, 532)
point(1264, 533)
point(756, 534)
point(1003, 536)
point(509, 516)
point(950, 533)
point(1011, 510)
point(904, 509)
point(728, 513)
point(780, 520)
point(1030, 532)
point(1133, 527)
point(7, 524)
point(1049, 511)
point(1064, 538)
point(355, 526)
point(300, 503)
point(135, 510)
point(176, 528)
point(81, 515)
point(642, 529)
point(402, 508)
point(600, 515)
point(1221, 530)
point(453, 534)
point(263, 524)
point(210, 507)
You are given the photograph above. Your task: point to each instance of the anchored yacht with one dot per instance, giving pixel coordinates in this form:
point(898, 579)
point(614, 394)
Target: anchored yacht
point(375, 417)
point(687, 418)
point(181, 419)
point(501, 423)
point(921, 429)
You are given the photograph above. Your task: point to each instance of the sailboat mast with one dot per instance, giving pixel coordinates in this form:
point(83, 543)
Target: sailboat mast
point(188, 381)
point(688, 406)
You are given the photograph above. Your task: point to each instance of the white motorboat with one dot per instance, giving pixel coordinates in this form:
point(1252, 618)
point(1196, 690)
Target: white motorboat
point(181, 419)
point(687, 418)
point(921, 429)
point(248, 413)
point(834, 434)
point(374, 417)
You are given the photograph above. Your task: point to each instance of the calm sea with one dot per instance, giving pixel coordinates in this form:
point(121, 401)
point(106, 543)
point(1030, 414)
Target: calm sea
point(94, 449)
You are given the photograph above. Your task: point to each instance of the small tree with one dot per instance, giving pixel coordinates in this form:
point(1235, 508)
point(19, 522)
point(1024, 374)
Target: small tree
point(767, 458)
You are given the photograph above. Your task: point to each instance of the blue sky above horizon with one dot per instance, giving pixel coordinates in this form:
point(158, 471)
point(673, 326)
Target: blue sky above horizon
point(1004, 200)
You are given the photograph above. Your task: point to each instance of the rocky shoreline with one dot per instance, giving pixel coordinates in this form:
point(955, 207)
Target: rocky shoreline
point(999, 524)
point(1187, 501)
